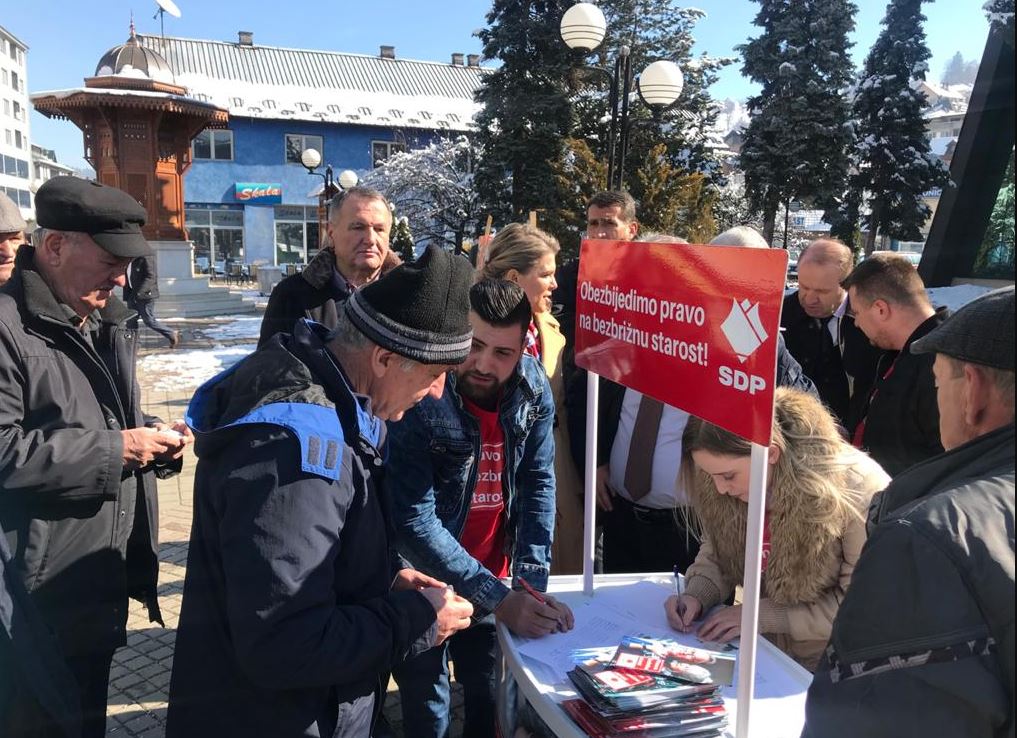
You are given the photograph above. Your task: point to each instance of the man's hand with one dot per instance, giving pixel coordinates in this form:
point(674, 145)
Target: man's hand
point(413, 579)
point(604, 493)
point(142, 446)
point(527, 617)
point(682, 611)
point(453, 611)
point(565, 617)
point(180, 428)
point(723, 625)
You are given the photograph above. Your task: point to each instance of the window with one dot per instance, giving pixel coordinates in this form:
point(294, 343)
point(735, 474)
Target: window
point(297, 234)
point(217, 145)
point(19, 141)
point(15, 82)
point(24, 198)
point(17, 110)
point(218, 237)
point(14, 51)
point(297, 142)
point(7, 107)
point(381, 150)
point(10, 137)
point(6, 78)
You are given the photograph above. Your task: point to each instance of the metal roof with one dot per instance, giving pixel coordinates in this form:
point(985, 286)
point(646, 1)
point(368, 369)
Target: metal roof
point(272, 82)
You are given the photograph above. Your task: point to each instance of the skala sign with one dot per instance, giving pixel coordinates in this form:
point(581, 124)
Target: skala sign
point(258, 192)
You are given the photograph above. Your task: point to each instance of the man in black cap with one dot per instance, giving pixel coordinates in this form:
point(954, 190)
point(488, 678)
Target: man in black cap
point(78, 458)
point(293, 610)
point(923, 643)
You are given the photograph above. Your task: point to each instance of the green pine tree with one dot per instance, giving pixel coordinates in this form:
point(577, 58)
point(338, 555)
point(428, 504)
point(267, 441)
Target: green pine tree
point(402, 240)
point(527, 112)
point(795, 146)
point(893, 163)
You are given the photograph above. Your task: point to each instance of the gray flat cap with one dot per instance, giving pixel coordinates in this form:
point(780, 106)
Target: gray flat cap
point(10, 215)
point(981, 332)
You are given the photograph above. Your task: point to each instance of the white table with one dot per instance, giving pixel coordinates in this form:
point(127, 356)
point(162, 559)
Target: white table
point(777, 712)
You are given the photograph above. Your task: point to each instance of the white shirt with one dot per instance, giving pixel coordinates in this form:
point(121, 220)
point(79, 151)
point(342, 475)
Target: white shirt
point(665, 490)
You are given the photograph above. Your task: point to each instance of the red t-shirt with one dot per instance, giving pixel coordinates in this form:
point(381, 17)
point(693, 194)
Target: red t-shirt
point(483, 535)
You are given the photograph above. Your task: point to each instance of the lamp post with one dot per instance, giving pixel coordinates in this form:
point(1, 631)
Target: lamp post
point(583, 28)
point(311, 159)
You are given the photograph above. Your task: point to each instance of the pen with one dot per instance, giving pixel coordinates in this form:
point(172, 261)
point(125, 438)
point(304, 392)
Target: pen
point(677, 581)
point(532, 592)
point(539, 598)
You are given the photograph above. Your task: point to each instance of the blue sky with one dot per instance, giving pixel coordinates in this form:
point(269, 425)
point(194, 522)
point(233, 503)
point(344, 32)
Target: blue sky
point(66, 38)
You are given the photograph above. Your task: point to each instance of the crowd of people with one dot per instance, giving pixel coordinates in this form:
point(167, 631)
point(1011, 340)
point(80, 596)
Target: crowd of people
point(398, 466)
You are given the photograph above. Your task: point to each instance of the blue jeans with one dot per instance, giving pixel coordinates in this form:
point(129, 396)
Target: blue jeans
point(424, 684)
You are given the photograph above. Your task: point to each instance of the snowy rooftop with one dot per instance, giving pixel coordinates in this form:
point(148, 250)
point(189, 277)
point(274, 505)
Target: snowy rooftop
point(254, 81)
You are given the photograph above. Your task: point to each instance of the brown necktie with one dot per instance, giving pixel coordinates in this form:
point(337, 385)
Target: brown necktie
point(639, 467)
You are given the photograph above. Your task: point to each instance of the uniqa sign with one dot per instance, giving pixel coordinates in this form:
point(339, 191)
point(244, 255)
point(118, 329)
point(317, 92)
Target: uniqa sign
point(258, 192)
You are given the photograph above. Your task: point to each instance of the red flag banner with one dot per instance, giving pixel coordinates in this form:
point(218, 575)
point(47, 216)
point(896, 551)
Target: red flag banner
point(694, 326)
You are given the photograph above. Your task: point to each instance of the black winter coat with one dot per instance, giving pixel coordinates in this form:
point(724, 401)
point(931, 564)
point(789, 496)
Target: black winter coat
point(843, 374)
point(288, 625)
point(82, 529)
point(923, 644)
point(902, 423)
point(316, 294)
point(313, 294)
point(142, 280)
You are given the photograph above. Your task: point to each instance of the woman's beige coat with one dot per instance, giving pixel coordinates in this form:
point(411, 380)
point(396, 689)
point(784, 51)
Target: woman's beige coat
point(567, 547)
point(808, 570)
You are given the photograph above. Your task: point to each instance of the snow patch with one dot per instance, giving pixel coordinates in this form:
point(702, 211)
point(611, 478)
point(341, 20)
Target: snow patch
point(187, 370)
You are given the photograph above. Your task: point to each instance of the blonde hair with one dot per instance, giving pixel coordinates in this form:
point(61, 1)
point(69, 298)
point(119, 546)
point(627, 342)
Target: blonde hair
point(809, 475)
point(517, 246)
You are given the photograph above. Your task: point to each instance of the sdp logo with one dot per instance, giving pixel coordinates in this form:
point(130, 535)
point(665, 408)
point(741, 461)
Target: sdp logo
point(744, 331)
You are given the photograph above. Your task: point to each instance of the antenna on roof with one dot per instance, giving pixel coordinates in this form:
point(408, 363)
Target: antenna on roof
point(165, 6)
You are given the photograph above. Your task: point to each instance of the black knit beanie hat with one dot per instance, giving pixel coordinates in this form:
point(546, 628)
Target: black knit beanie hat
point(419, 310)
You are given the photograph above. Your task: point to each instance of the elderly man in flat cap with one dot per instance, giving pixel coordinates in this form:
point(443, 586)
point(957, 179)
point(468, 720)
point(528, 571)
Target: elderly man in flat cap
point(78, 459)
point(923, 643)
point(12, 235)
point(294, 611)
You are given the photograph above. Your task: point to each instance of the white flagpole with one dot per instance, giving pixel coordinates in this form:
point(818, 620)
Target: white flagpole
point(590, 497)
point(750, 586)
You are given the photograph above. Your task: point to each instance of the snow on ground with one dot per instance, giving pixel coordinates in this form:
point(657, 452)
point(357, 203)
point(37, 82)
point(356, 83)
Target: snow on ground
point(173, 371)
point(233, 327)
point(956, 296)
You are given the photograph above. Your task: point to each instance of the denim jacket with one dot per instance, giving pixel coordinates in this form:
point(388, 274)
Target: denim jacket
point(434, 453)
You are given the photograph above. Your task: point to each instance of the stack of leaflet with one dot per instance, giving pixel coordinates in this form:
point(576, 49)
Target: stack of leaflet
point(651, 688)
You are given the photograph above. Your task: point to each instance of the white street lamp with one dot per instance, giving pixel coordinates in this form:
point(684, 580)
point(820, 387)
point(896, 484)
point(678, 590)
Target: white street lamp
point(583, 27)
point(661, 83)
point(348, 178)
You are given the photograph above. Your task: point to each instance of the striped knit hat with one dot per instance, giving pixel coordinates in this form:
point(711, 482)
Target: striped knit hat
point(419, 310)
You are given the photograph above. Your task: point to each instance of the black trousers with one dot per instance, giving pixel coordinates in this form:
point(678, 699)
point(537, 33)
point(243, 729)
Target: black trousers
point(640, 539)
point(146, 312)
point(25, 717)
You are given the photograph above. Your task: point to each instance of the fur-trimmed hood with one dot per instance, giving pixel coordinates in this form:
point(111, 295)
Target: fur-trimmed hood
point(804, 548)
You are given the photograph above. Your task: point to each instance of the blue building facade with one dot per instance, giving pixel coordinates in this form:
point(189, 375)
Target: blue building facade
point(256, 205)
point(247, 197)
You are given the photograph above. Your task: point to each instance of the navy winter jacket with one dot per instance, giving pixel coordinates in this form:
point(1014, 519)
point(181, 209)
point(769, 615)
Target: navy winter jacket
point(288, 625)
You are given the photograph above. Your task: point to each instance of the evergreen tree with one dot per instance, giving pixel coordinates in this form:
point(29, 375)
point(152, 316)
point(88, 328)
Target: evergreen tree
point(1000, 14)
point(654, 30)
point(675, 202)
point(894, 165)
point(958, 72)
point(527, 111)
point(579, 175)
point(402, 240)
point(795, 146)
